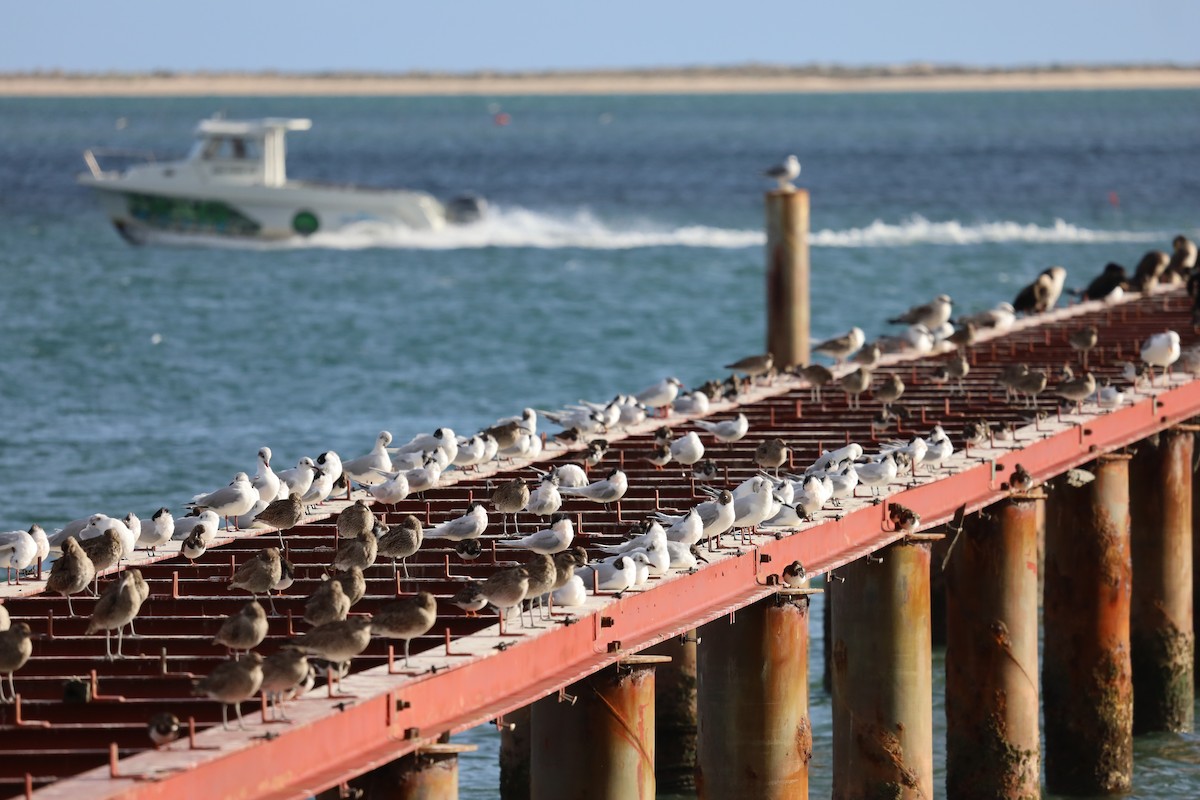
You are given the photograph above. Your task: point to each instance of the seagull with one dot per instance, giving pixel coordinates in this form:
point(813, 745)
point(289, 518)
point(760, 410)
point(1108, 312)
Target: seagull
point(1103, 285)
point(367, 469)
point(890, 390)
point(716, 517)
point(1161, 350)
point(753, 366)
point(687, 449)
point(469, 526)
point(784, 173)
point(1150, 270)
point(877, 473)
point(726, 431)
point(842, 347)
point(1084, 340)
point(772, 454)
point(998, 319)
point(229, 502)
point(100, 523)
point(817, 376)
point(548, 541)
point(545, 500)
point(932, 314)
point(265, 481)
point(615, 575)
point(156, 531)
point(17, 552)
point(300, 478)
point(608, 490)
point(1042, 294)
point(1077, 390)
point(692, 403)
point(794, 575)
point(654, 533)
point(854, 384)
point(832, 459)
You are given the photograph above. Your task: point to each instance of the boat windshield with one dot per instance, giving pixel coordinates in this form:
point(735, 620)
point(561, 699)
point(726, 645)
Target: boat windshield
point(228, 148)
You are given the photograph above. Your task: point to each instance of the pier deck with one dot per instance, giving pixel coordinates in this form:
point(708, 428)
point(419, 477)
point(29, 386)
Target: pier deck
point(464, 672)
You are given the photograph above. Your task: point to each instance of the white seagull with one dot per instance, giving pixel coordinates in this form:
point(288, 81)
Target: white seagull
point(784, 173)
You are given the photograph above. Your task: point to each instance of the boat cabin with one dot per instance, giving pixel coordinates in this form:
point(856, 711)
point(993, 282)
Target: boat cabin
point(244, 151)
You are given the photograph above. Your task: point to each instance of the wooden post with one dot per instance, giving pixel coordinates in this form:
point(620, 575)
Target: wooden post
point(992, 744)
point(755, 738)
point(1087, 686)
point(1163, 645)
point(883, 677)
point(787, 277)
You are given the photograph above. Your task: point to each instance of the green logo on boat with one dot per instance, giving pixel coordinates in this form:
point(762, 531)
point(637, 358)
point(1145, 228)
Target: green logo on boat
point(305, 222)
point(190, 216)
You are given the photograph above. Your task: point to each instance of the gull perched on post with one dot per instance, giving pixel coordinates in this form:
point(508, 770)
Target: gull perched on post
point(785, 173)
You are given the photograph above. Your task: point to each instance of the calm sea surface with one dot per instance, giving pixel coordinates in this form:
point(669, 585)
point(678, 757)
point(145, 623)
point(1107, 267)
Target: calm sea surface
point(625, 245)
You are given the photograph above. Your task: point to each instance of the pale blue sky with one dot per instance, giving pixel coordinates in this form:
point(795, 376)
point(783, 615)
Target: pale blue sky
point(307, 35)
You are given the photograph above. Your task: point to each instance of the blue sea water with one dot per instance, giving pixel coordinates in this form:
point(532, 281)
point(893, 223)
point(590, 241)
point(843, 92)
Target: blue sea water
point(625, 245)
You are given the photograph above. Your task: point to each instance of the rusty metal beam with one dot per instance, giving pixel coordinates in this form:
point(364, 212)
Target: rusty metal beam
point(675, 714)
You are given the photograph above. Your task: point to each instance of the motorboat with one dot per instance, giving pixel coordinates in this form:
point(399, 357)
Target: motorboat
point(234, 184)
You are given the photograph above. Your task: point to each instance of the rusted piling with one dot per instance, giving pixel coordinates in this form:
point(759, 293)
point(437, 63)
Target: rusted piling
point(675, 714)
point(1163, 643)
point(755, 739)
point(595, 740)
point(431, 773)
point(826, 638)
point(992, 745)
point(787, 277)
point(882, 677)
point(1087, 684)
point(515, 754)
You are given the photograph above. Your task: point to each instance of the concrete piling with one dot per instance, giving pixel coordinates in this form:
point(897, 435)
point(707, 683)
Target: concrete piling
point(595, 740)
point(1087, 684)
point(992, 744)
point(755, 738)
point(882, 677)
point(1161, 635)
point(787, 277)
point(675, 714)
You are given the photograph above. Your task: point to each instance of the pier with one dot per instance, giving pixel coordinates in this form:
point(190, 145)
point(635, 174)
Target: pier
point(1116, 485)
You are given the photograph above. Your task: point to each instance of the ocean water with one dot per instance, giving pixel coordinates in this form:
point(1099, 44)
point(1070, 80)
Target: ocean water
point(625, 244)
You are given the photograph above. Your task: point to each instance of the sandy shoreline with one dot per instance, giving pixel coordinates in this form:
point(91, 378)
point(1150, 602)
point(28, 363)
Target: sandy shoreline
point(731, 81)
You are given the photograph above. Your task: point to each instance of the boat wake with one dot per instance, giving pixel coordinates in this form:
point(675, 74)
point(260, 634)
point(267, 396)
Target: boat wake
point(583, 229)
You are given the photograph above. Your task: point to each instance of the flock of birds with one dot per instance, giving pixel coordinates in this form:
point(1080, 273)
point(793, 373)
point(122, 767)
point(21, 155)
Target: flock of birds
point(554, 569)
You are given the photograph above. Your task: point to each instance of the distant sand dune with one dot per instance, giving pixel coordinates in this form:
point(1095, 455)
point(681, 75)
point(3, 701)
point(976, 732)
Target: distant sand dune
point(746, 80)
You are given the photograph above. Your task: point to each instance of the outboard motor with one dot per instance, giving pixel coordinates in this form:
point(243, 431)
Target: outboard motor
point(466, 208)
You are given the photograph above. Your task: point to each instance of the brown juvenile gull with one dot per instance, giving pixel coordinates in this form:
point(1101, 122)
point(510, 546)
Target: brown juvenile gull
point(1084, 340)
point(839, 348)
point(1010, 376)
point(15, 649)
point(231, 683)
point(105, 552)
point(509, 498)
point(244, 630)
point(401, 541)
point(259, 575)
point(337, 642)
point(282, 673)
point(854, 384)
point(957, 368)
point(817, 377)
point(565, 564)
point(282, 515)
point(354, 520)
point(71, 573)
point(357, 552)
point(116, 608)
point(1031, 384)
point(1077, 390)
point(752, 366)
point(890, 390)
point(406, 618)
point(353, 583)
point(542, 576)
point(771, 454)
point(163, 728)
point(328, 603)
point(504, 589)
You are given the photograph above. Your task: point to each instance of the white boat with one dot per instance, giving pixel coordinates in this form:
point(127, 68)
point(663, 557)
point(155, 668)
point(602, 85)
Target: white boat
point(234, 184)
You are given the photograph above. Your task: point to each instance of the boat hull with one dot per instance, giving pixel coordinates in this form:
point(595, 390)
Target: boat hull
point(262, 214)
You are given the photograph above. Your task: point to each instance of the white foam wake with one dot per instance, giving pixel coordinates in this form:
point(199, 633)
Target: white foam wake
point(519, 227)
point(918, 230)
